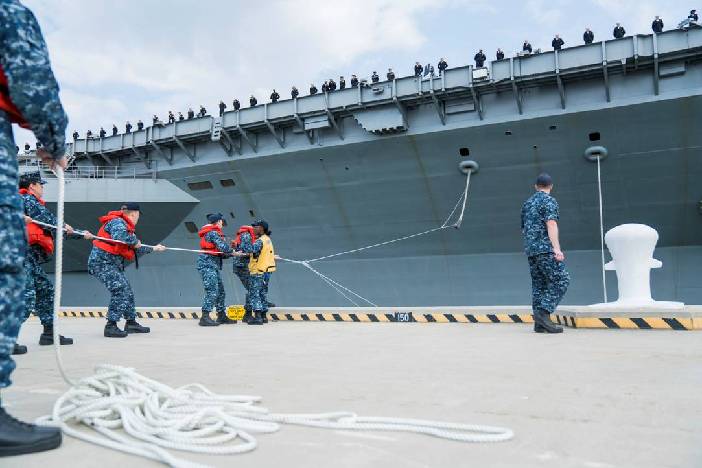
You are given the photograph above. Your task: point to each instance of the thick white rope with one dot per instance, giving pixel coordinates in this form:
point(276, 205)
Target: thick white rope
point(599, 190)
point(137, 415)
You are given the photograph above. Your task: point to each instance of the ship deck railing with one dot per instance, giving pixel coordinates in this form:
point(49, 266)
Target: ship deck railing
point(75, 171)
point(305, 113)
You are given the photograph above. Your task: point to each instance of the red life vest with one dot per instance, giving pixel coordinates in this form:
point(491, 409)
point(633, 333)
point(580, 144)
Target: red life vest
point(37, 235)
point(6, 103)
point(207, 245)
point(236, 243)
point(115, 248)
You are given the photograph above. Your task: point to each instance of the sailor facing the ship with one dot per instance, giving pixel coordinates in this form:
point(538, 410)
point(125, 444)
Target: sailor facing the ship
point(107, 261)
point(549, 277)
point(243, 243)
point(38, 289)
point(209, 265)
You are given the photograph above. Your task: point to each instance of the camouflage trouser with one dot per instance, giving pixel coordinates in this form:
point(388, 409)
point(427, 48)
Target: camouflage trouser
point(257, 293)
point(266, 282)
point(121, 294)
point(549, 281)
point(38, 292)
point(214, 289)
point(243, 274)
point(13, 244)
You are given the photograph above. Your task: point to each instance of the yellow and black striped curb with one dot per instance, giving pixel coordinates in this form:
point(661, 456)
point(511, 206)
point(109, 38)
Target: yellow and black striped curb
point(405, 317)
point(681, 322)
point(638, 323)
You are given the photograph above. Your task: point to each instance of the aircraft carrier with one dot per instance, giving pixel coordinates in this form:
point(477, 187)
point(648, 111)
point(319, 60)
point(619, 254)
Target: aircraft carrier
point(340, 170)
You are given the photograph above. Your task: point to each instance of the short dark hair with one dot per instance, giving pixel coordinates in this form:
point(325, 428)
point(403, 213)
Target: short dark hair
point(544, 180)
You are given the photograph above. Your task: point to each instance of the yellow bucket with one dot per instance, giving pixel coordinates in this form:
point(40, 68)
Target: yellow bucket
point(236, 312)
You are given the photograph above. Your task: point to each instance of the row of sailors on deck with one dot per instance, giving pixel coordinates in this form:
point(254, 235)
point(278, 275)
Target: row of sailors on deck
point(330, 85)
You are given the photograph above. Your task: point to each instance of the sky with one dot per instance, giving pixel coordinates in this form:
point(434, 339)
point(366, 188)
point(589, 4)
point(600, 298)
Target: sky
point(128, 60)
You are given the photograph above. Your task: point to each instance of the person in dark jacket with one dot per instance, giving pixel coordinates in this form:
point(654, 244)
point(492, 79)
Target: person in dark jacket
point(294, 93)
point(342, 83)
point(331, 84)
point(499, 54)
point(657, 25)
point(181, 117)
point(154, 119)
point(236, 105)
point(619, 31)
point(275, 96)
point(114, 130)
point(693, 17)
point(429, 69)
point(354, 81)
point(442, 65)
point(203, 111)
point(89, 134)
point(418, 68)
point(103, 133)
point(140, 125)
point(526, 47)
point(390, 75)
point(76, 135)
point(479, 59)
point(253, 101)
point(557, 42)
point(171, 117)
point(191, 113)
point(325, 87)
point(222, 107)
point(588, 36)
point(128, 127)
point(313, 89)
point(375, 78)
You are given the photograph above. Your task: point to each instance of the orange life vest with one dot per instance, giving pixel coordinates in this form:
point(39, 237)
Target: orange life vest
point(6, 103)
point(204, 243)
point(37, 235)
point(237, 241)
point(115, 248)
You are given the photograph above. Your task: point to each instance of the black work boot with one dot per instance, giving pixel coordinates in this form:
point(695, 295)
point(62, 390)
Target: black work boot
point(264, 316)
point(257, 318)
point(17, 437)
point(247, 315)
point(206, 321)
point(543, 323)
point(47, 337)
point(19, 349)
point(133, 326)
point(113, 331)
point(222, 319)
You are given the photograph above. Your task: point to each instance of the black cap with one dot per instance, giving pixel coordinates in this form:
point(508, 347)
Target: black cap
point(262, 223)
point(544, 180)
point(30, 178)
point(214, 217)
point(131, 206)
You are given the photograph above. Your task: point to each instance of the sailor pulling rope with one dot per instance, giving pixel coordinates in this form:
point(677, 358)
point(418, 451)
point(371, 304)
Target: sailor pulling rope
point(154, 417)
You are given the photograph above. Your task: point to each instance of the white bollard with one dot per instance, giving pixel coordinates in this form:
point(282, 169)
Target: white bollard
point(631, 247)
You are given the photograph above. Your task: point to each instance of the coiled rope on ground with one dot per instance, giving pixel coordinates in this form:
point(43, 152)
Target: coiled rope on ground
point(137, 415)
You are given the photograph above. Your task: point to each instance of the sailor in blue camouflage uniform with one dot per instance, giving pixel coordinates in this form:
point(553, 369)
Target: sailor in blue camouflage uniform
point(549, 277)
point(38, 289)
point(244, 244)
point(209, 265)
point(107, 262)
point(262, 261)
point(29, 97)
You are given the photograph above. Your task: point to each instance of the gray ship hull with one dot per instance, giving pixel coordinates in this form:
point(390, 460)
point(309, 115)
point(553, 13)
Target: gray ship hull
point(361, 166)
point(326, 200)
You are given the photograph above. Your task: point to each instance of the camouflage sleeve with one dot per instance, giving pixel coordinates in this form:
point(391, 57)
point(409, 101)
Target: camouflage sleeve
point(221, 244)
point(36, 210)
point(256, 247)
point(551, 209)
point(117, 229)
point(143, 250)
point(245, 245)
point(32, 86)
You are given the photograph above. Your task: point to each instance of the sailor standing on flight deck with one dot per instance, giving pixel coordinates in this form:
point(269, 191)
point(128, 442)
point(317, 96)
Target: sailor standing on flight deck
point(549, 277)
point(107, 261)
point(209, 265)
